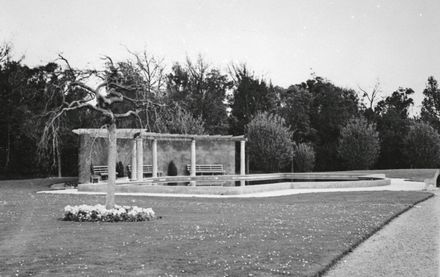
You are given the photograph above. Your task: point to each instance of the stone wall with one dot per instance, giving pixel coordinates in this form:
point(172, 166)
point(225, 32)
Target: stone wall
point(94, 151)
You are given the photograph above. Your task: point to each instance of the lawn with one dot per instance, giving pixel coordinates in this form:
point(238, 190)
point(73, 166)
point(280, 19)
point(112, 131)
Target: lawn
point(298, 235)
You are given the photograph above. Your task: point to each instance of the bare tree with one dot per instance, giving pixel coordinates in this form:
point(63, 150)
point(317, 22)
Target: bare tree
point(147, 73)
point(371, 96)
point(152, 71)
point(113, 89)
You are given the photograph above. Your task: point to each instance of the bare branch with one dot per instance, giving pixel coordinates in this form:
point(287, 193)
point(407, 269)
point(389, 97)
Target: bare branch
point(61, 57)
point(371, 97)
point(127, 114)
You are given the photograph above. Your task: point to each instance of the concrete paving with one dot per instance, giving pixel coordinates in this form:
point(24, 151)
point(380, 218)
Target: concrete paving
point(396, 185)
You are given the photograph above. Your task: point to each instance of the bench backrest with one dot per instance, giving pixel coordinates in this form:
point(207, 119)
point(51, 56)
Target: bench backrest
point(100, 169)
point(146, 168)
point(207, 168)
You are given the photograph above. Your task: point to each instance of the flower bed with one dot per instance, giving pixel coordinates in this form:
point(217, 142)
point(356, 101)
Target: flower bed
point(100, 213)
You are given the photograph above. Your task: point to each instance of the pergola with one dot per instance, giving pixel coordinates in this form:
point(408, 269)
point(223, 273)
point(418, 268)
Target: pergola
point(138, 135)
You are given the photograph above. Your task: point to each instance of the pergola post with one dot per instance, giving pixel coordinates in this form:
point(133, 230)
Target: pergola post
point(154, 158)
point(242, 160)
point(193, 161)
point(140, 158)
point(133, 160)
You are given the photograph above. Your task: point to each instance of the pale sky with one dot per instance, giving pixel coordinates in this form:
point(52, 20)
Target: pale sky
point(349, 42)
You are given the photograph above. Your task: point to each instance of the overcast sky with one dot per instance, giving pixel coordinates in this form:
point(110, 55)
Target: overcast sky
point(349, 42)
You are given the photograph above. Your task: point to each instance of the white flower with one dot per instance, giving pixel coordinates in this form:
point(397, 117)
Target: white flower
point(84, 212)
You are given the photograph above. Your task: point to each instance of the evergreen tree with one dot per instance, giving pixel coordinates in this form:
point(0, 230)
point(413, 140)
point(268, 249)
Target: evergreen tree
point(393, 125)
point(250, 96)
point(295, 106)
point(431, 103)
point(330, 110)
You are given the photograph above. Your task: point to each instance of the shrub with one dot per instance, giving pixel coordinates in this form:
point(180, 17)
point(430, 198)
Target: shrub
point(269, 144)
point(100, 213)
point(304, 157)
point(172, 171)
point(359, 144)
point(422, 146)
point(120, 169)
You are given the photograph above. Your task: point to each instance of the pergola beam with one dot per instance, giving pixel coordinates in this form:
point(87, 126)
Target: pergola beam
point(131, 133)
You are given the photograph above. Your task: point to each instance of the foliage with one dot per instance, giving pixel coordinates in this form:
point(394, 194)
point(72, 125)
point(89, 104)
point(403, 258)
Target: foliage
point(250, 96)
point(98, 212)
point(190, 98)
point(331, 108)
point(172, 169)
point(393, 125)
point(359, 144)
point(202, 90)
point(269, 145)
point(295, 109)
point(431, 104)
point(304, 157)
point(422, 146)
point(24, 97)
point(5, 52)
point(180, 121)
point(120, 169)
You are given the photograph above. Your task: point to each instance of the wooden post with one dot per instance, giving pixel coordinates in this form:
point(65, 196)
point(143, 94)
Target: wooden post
point(242, 160)
point(193, 161)
point(133, 160)
point(154, 158)
point(140, 158)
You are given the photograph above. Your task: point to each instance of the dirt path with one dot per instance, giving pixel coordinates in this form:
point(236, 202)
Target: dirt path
point(408, 246)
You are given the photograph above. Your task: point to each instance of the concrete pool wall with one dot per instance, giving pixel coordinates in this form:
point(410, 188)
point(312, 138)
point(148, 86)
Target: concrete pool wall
point(302, 181)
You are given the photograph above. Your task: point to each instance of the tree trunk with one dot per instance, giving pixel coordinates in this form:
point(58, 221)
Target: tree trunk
point(8, 149)
point(110, 197)
point(59, 162)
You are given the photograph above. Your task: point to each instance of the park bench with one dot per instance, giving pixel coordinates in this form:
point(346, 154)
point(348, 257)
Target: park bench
point(207, 169)
point(148, 170)
point(99, 172)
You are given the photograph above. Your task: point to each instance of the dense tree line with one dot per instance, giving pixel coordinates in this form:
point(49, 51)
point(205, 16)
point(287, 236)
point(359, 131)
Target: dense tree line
point(313, 125)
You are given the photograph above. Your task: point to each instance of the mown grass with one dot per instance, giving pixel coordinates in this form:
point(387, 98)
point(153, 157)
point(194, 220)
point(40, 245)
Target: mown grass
point(298, 235)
